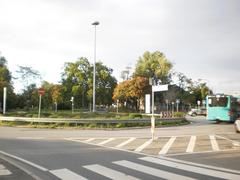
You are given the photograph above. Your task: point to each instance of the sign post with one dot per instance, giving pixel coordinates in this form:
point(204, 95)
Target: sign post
point(156, 88)
point(41, 92)
point(4, 99)
point(72, 100)
point(198, 103)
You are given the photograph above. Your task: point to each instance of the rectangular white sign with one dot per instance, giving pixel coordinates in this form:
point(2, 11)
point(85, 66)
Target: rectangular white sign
point(160, 88)
point(147, 104)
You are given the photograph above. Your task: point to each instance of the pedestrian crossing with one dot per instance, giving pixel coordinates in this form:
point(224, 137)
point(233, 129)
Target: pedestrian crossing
point(147, 168)
point(4, 171)
point(165, 145)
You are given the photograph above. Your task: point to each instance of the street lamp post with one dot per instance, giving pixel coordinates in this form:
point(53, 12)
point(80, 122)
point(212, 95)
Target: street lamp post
point(94, 64)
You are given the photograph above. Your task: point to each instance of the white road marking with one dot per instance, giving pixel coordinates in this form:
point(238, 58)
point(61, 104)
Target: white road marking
point(25, 161)
point(4, 171)
point(125, 142)
point(191, 144)
point(106, 141)
point(66, 174)
point(199, 170)
point(150, 170)
point(214, 143)
point(30, 138)
point(144, 145)
point(89, 140)
point(167, 146)
point(201, 165)
point(235, 143)
point(109, 173)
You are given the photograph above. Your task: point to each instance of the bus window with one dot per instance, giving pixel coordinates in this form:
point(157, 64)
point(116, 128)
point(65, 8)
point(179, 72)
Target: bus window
point(218, 101)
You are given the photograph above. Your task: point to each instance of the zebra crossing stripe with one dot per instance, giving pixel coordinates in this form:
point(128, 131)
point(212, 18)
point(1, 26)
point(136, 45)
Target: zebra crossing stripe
point(66, 174)
point(144, 145)
point(89, 140)
point(125, 142)
point(151, 171)
point(109, 173)
point(190, 168)
point(214, 143)
point(106, 141)
point(167, 146)
point(191, 144)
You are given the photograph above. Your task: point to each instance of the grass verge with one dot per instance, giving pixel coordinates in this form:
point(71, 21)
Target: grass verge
point(121, 124)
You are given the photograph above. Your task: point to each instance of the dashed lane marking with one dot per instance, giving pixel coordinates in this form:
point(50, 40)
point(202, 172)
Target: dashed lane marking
point(214, 143)
point(191, 144)
point(66, 174)
point(106, 141)
point(167, 146)
point(109, 173)
point(190, 168)
point(89, 140)
point(144, 145)
point(151, 171)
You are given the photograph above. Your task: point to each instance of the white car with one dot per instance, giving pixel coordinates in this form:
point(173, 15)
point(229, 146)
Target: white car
point(237, 125)
point(195, 112)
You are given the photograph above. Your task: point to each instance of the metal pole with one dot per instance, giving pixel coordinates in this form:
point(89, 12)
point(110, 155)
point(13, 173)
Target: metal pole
point(94, 68)
point(56, 106)
point(152, 118)
point(94, 65)
point(39, 108)
point(4, 99)
point(117, 106)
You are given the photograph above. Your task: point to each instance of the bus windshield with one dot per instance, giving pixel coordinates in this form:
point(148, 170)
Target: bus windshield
point(217, 101)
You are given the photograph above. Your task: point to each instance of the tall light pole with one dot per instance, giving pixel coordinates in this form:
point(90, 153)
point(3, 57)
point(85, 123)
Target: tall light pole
point(94, 64)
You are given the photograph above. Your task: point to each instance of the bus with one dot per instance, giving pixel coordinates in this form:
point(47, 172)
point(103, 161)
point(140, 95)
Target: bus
point(222, 107)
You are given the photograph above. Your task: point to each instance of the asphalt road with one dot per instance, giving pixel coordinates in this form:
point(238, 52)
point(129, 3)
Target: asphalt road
point(92, 154)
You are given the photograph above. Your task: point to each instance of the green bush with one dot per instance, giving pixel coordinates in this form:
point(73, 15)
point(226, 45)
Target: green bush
point(135, 116)
point(179, 114)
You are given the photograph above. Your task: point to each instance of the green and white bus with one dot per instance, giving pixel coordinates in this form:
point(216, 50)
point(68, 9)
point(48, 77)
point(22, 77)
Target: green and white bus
point(222, 107)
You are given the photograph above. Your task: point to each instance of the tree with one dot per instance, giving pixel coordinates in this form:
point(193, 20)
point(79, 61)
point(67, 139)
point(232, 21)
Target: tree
point(77, 81)
point(56, 93)
point(29, 98)
point(154, 65)
point(28, 75)
point(6, 81)
point(132, 91)
point(198, 89)
point(105, 84)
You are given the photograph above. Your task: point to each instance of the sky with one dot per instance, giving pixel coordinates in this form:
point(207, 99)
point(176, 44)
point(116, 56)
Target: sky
point(200, 37)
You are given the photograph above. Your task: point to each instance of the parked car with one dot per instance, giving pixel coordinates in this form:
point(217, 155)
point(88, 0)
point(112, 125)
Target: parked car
point(237, 125)
point(195, 112)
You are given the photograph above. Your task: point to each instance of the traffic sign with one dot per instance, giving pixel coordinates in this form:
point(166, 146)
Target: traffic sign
point(41, 91)
point(160, 88)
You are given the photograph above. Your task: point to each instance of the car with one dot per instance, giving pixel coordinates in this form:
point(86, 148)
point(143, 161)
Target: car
point(197, 111)
point(237, 125)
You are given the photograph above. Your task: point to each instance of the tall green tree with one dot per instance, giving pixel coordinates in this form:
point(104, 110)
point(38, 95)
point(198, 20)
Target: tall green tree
point(154, 65)
point(105, 84)
point(6, 81)
point(29, 98)
point(78, 82)
point(28, 75)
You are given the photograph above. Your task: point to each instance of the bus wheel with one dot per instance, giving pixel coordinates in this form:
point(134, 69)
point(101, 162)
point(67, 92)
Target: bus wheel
point(237, 125)
point(217, 121)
